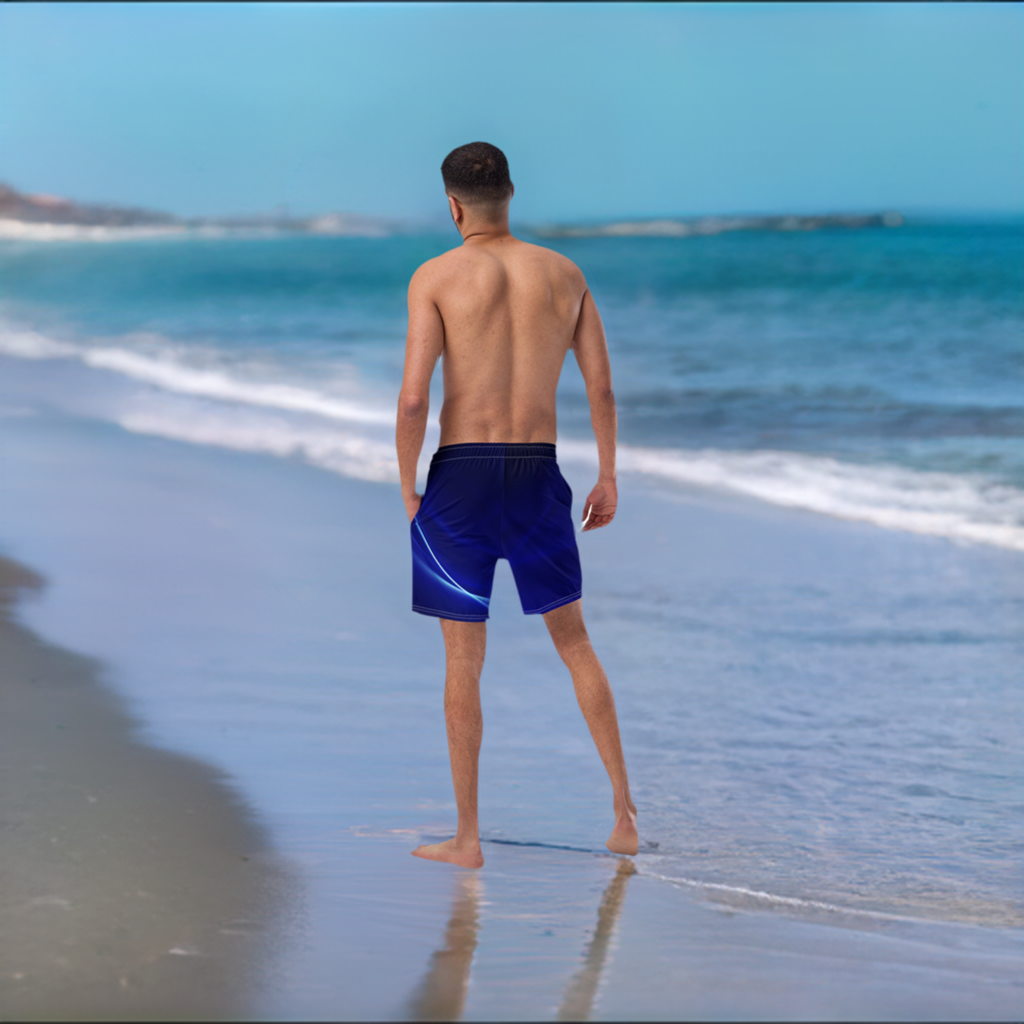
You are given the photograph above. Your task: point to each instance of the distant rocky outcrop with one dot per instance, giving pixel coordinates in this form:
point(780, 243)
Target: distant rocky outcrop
point(40, 209)
point(52, 217)
point(682, 227)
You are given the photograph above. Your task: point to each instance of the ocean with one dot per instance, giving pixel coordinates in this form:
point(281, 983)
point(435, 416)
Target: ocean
point(873, 375)
point(811, 605)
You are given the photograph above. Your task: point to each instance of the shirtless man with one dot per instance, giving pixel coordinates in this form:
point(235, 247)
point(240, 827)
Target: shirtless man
point(503, 314)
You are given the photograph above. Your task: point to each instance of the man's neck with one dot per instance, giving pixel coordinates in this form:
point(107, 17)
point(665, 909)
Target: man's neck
point(476, 232)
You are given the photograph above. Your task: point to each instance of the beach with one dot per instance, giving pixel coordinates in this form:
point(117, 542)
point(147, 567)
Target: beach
point(242, 625)
point(810, 606)
point(230, 237)
point(135, 882)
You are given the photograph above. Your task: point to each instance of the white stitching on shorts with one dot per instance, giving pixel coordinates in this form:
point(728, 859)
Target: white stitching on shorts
point(551, 604)
point(446, 614)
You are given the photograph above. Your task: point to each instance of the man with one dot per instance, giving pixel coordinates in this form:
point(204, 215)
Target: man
point(503, 314)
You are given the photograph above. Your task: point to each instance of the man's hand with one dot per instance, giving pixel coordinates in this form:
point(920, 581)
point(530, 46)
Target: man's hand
point(599, 508)
point(412, 505)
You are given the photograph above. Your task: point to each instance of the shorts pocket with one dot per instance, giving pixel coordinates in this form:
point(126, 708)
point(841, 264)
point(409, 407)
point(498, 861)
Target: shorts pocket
point(563, 489)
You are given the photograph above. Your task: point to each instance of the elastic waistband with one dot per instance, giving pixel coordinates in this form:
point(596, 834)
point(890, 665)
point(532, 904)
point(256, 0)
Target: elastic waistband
point(501, 450)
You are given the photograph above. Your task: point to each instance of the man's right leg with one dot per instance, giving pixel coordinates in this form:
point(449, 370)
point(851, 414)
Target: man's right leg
point(465, 644)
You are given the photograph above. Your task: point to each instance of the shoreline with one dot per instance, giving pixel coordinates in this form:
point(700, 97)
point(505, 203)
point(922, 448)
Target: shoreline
point(254, 611)
point(135, 884)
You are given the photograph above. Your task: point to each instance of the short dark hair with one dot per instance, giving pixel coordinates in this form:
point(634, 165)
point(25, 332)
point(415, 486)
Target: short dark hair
point(477, 173)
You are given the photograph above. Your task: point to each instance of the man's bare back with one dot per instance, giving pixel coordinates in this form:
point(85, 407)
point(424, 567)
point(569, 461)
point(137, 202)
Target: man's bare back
point(509, 312)
point(502, 315)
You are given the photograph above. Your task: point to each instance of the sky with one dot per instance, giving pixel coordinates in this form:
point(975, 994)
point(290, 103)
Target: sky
point(604, 110)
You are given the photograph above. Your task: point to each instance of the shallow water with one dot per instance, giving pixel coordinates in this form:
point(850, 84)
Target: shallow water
point(813, 710)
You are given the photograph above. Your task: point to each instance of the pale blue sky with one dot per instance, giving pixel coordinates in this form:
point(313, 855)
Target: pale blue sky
point(604, 110)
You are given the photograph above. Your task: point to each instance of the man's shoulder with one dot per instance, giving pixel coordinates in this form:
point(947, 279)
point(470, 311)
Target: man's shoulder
point(434, 270)
point(455, 262)
point(552, 259)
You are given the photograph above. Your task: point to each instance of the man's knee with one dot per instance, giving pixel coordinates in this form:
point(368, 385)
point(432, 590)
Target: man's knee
point(464, 641)
point(572, 649)
point(565, 624)
point(463, 671)
point(570, 637)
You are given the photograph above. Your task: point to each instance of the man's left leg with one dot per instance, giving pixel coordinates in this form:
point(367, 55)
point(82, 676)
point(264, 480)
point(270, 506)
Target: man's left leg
point(594, 694)
point(465, 644)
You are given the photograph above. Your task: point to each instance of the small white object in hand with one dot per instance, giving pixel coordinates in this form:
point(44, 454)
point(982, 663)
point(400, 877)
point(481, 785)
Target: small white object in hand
point(587, 520)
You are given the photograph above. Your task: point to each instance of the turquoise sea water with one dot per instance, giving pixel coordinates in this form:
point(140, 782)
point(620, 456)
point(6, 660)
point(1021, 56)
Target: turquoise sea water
point(819, 678)
point(874, 375)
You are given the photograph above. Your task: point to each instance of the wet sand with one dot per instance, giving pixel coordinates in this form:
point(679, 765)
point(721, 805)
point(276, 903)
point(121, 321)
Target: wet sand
point(237, 613)
point(548, 934)
point(134, 884)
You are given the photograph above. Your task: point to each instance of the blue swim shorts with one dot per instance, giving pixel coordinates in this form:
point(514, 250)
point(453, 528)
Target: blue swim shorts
point(489, 501)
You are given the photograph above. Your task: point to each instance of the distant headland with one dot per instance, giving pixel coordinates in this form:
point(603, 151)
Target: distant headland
point(45, 217)
point(54, 218)
point(683, 227)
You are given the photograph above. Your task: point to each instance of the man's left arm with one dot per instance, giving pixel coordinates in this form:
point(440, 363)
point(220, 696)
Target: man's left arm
point(423, 346)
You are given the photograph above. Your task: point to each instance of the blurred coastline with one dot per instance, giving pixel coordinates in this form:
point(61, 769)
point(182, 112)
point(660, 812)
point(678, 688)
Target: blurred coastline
point(46, 218)
point(34, 217)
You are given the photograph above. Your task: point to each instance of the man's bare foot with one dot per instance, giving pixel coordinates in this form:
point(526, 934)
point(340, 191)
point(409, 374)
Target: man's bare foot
point(624, 838)
point(466, 855)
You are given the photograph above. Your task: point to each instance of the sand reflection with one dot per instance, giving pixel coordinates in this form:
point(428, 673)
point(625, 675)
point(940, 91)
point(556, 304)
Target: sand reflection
point(442, 993)
point(578, 1000)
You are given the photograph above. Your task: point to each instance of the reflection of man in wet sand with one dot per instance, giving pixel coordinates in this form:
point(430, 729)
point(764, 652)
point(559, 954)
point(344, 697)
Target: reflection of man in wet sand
point(441, 995)
point(503, 314)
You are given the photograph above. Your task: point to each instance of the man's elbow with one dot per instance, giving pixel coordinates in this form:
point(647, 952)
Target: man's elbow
point(411, 406)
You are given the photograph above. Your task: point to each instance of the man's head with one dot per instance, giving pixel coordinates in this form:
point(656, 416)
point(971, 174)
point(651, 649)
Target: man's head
point(476, 176)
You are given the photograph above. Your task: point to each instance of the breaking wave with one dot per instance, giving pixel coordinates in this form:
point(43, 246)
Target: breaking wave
point(167, 370)
point(896, 498)
point(326, 447)
point(226, 406)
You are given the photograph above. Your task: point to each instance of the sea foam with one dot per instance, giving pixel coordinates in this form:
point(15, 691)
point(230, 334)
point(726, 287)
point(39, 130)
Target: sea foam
point(168, 370)
point(327, 447)
point(224, 405)
point(937, 504)
point(897, 498)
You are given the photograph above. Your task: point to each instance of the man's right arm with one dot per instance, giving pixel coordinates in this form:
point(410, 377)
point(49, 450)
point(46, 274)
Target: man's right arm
point(424, 342)
point(591, 349)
